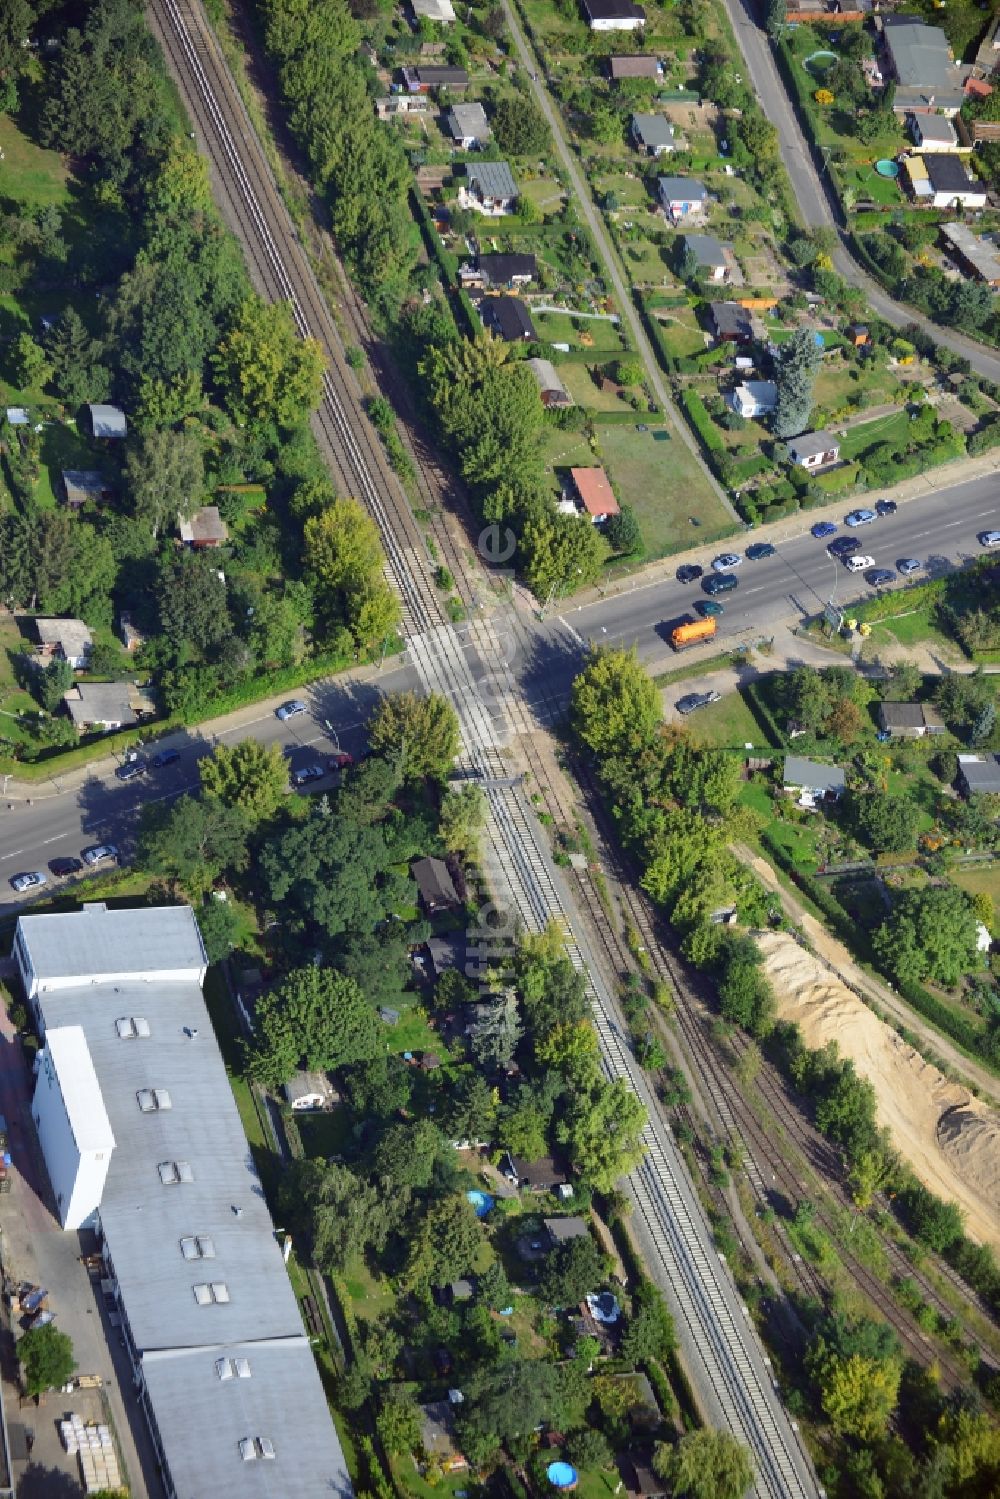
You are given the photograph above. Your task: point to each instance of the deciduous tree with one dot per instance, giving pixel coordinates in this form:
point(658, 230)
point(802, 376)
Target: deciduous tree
point(929, 933)
point(886, 823)
point(191, 842)
point(561, 553)
point(316, 1018)
point(192, 600)
point(164, 476)
point(859, 1394)
point(520, 127)
point(705, 1464)
point(46, 1355)
point(248, 775)
point(602, 1130)
point(572, 1269)
point(463, 816)
point(444, 1245)
point(418, 731)
point(614, 705)
point(266, 371)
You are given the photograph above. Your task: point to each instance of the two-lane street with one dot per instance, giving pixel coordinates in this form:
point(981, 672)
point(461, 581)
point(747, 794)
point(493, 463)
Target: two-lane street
point(939, 530)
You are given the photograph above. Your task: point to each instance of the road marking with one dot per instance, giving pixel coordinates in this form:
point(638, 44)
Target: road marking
point(575, 633)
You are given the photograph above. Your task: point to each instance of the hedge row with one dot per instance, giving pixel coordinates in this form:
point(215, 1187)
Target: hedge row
point(920, 596)
point(766, 721)
point(702, 422)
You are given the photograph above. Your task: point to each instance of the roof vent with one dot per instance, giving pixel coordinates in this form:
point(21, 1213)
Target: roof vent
point(232, 1368)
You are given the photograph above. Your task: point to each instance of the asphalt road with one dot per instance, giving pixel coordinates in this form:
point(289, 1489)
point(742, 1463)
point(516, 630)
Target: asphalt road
point(939, 529)
point(815, 203)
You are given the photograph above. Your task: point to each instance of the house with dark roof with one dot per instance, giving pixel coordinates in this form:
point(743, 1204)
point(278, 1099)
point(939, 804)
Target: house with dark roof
point(83, 485)
point(708, 256)
point(435, 884)
point(543, 1175)
point(730, 322)
point(489, 188)
point(653, 134)
point(613, 15)
point(682, 197)
point(979, 775)
point(422, 80)
point(940, 179)
point(635, 66)
point(910, 720)
point(507, 270)
point(814, 450)
point(562, 1230)
point(507, 318)
point(594, 492)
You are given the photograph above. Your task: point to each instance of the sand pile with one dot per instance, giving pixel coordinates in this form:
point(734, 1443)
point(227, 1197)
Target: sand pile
point(949, 1138)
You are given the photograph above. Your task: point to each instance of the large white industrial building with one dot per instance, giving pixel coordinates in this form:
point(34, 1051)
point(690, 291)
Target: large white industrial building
point(143, 1141)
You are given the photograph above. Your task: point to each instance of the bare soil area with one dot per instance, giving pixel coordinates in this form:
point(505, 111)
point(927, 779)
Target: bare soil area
point(947, 1136)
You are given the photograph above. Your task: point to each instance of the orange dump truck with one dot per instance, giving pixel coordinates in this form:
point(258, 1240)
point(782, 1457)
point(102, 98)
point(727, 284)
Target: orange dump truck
point(692, 632)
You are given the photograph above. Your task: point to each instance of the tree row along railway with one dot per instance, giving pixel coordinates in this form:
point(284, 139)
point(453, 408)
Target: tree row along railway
point(765, 1157)
point(725, 1360)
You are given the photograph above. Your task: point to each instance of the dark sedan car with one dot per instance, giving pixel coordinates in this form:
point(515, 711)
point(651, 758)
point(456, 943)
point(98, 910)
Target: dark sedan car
point(689, 572)
point(307, 773)
point(822, 529)
point(131, 770)
point(165, 757)
point(760, 550)
point(876, 576)
point(886, 507)
point(720, 583)
point(62, 867)
point(844, 546)
point(695, 700)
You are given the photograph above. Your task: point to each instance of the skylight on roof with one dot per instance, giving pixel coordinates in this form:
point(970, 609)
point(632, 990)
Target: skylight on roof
point(152, 1099)
point(172, 1172)
point(132, 1027)
point(198, 1247)
point(232, 1368)
point(208, 1292)
point(253, 1447)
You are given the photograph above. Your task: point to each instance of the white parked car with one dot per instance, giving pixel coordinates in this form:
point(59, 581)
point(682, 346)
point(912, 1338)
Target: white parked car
point(858, 563)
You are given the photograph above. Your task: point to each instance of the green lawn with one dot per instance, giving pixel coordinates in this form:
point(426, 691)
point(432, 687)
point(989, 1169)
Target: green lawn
point(559, 328)
point(324, 1134)
point(63, 447)
point(563, 449)
point(894, 428)
point(681, 334)
point(30, 175)
point(577, 379)
point(979, 879)
point(918, 628)
point(728, 724)
point(865, 183)
point(665, 486)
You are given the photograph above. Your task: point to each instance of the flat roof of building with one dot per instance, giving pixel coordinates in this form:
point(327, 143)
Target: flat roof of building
point(81, 1092)
point(190, 1240)
point(981, 253)
point(95, 941)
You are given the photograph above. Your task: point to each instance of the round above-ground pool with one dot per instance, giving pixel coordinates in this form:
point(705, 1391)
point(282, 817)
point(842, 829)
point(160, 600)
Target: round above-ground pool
point(823, 60)
point(561, 1475)
point(887, 168)
point(481, 1202)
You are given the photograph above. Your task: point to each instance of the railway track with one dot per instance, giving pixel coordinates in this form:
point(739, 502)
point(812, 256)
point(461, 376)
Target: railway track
point(766, 1163)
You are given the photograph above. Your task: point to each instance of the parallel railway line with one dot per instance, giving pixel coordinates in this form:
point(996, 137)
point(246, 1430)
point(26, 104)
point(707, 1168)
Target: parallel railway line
point(726, 1363)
